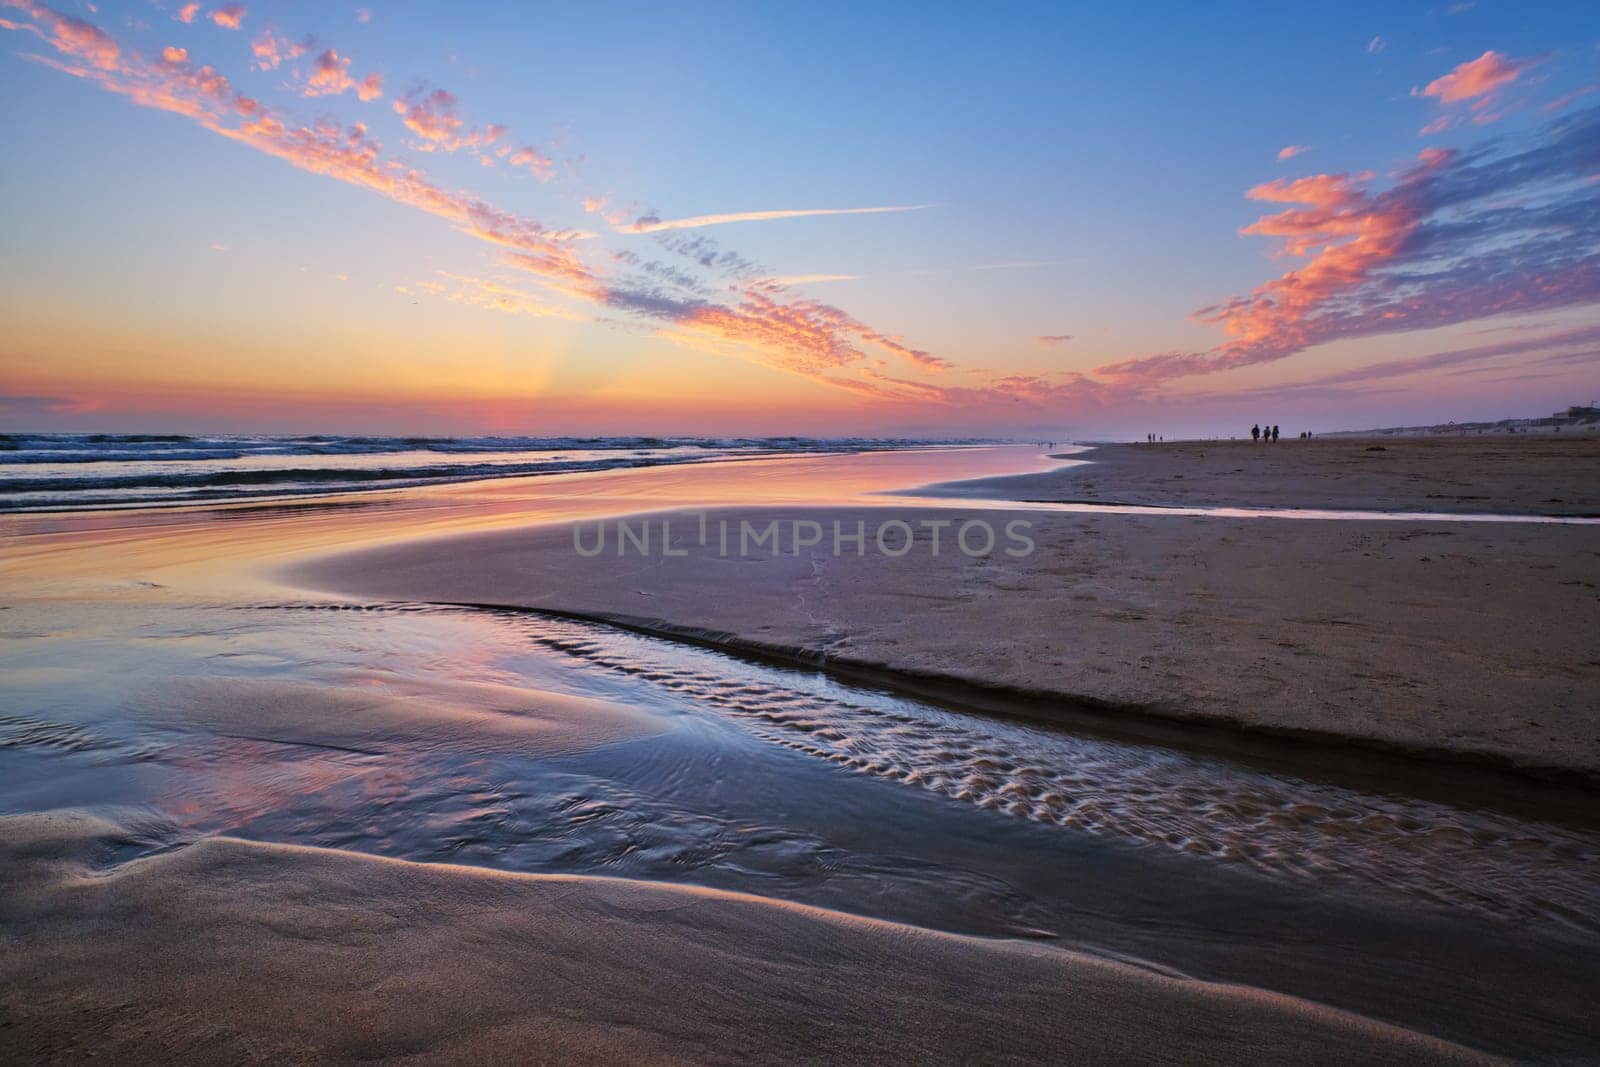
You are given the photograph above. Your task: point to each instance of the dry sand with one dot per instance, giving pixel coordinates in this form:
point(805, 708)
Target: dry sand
point(230, 951)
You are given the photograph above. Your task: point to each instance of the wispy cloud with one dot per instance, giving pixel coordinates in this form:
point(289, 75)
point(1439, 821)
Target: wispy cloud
point(1023, 264)
point(1376, 45)
point(1510, 226)
point(1290, 151)
point(495, 296)
point(813, 279)
point(348, 154)
point(1051, 339)
point(762, 321)
point(1580, 344)
point(1563, 102)
point(653, 224)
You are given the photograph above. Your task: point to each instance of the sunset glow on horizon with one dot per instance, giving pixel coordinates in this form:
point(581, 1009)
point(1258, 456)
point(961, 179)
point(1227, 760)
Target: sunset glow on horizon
point(256, 217)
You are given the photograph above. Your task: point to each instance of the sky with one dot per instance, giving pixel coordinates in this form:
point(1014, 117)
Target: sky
point(1046, 221)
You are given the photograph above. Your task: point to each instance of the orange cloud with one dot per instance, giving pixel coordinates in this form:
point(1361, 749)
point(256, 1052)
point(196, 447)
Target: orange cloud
point(270, 50)
point(229, 16)
point(1486, 74)
point(187, 12)
point(371, 87)
point(542, 166)
point(1290, 151)
point(330, 75)
point(70, 35)
point(433, 118)
point(344, 154)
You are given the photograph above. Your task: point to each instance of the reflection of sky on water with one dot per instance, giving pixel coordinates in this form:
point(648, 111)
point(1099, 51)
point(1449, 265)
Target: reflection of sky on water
point(755, 777)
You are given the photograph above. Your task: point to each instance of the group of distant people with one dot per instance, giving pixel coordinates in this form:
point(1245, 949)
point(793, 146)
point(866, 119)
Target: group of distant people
point(1151, 438)
point(1263, 433)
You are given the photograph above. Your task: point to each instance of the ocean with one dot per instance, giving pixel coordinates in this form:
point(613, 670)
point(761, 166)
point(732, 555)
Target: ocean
point(73, 471)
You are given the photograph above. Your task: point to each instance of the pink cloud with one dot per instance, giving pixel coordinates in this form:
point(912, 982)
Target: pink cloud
point(1051, 339)
point(270, 50)
point(330, 75)
point(1486, 74)
point(74, 36)
point(1290, 151)
point(229, 16)
point(187, 12)
point(345, 154)
point(803, 335)
point(542, 166)
point(1562, 103)
point(433, 118)
point(371, 87)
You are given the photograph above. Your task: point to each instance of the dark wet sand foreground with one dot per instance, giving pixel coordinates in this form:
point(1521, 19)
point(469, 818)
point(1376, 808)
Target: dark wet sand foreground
point(230, 951)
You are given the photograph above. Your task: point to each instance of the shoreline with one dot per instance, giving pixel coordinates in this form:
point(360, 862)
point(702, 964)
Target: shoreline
point(1301, 748)
point(1227, 667)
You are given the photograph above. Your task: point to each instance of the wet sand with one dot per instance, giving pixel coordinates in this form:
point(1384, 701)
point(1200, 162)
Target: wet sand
point(1462, 641)
point(230, 950)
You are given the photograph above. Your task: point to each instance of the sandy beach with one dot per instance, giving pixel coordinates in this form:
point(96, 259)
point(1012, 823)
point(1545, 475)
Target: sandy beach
point(272, 787)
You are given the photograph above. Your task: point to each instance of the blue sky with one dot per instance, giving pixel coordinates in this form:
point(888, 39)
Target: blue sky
point(1075, 173)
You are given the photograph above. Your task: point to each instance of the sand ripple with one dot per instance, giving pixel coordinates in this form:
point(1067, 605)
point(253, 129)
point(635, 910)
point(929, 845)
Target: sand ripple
point(1279, 825)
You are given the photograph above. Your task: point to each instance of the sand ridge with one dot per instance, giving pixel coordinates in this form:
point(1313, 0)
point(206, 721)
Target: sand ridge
point(1460, 641)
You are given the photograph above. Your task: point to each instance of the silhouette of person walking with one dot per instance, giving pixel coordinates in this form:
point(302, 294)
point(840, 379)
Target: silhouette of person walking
point(1255, 432)
point(1274, 434)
